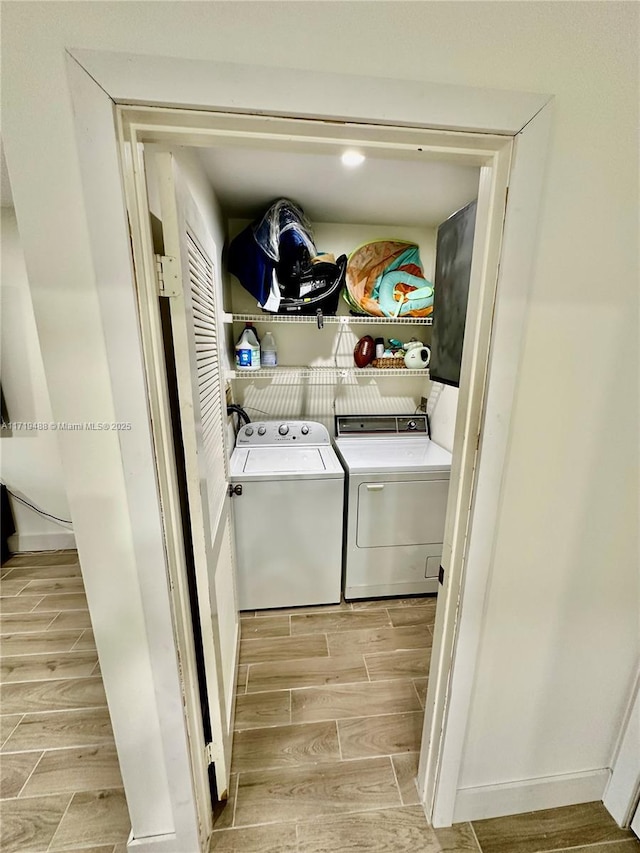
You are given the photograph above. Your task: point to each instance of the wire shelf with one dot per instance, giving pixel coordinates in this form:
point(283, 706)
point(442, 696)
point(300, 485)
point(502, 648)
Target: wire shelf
point(342, 319)
point(323, 373)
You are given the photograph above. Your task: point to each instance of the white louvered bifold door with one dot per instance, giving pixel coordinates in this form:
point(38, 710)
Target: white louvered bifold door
point(202, 414)
point(202, 287)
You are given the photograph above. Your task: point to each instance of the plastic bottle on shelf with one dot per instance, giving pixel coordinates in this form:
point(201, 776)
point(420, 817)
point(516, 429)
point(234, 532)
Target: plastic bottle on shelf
point(248, 351)
point(268, 351)
point(254, 330)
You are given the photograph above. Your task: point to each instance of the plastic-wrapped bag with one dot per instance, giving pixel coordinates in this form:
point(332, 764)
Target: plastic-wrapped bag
point(276, 260)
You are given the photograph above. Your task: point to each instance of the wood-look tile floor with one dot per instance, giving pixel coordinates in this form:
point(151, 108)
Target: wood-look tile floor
point(328, 726)
point(60, 783)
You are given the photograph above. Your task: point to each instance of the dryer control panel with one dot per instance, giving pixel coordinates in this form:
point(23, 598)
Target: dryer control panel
point(271, 433)
point(382, 425)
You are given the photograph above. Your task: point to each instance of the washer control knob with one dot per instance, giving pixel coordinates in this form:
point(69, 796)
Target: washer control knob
point(412, 425)
point(248, 431)
point(304, 429)
point(262, 430)
point(283, 429)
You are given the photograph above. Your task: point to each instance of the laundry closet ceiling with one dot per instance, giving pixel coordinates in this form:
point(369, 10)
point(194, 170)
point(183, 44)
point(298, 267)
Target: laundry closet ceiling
point(379, 192)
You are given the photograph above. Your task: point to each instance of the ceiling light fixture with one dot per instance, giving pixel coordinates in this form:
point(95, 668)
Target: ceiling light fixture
point(351, 159)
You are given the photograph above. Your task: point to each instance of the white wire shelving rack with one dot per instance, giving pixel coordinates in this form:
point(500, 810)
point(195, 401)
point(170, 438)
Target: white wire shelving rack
point(322, 374)
point(341, 319)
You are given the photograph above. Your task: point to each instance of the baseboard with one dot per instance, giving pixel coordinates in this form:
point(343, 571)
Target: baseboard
point(62, 541)
point(530, 795)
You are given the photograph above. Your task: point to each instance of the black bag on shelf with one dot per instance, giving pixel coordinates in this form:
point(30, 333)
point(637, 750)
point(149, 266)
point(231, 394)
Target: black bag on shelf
point(276, 260)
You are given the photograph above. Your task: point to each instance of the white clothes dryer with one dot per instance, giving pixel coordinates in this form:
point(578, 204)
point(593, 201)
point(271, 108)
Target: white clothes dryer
point(288, 508)
point(397, 487)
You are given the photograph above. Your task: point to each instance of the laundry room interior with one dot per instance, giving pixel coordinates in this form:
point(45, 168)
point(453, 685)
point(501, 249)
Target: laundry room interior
point(338, 464)
point(380, 199)
point(386, 544)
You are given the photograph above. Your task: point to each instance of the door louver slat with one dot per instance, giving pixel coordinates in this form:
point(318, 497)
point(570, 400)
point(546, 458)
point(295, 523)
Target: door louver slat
point(208, 375)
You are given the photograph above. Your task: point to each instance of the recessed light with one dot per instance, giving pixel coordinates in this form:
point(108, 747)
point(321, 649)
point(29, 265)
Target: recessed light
point(351, 159)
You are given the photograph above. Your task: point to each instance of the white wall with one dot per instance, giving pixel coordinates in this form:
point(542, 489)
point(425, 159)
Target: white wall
point(561, 627)
point(30, 463)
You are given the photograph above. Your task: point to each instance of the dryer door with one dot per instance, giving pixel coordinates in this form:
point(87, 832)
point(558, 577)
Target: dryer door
point(401, 513)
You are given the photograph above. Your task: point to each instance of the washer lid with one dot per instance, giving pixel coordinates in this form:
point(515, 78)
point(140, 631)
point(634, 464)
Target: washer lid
point(284, 460)
point(284, 463)
point(402, 455)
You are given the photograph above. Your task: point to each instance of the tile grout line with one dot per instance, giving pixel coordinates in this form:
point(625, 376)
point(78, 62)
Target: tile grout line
point(235, 800)
point(326, 686)
point(336, 719)
point(22, 655)
point(56, 610)
point(73, 647)
point(591, 844)
point(366, 669)
point(413, 681)
point(53, 652)
point(395, 776)
point(335, 722)
point(35, 767)
point(48, 680)
point(64, 814)
point(89, 745)
point(473, 832)
point(62, 581)
point(13, 594)
point(3, 742)
point(296, 820)
point(49, 624)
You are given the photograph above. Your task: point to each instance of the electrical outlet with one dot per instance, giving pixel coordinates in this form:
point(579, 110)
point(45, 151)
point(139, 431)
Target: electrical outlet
point(423, 404)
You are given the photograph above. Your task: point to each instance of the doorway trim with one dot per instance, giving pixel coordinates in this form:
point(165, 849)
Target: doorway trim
point(622, 795)
point(493, 362)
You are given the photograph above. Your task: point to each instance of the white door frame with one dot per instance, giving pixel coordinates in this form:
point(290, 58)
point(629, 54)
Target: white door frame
point(97, 80)
point(622, 794)
point(491, 152)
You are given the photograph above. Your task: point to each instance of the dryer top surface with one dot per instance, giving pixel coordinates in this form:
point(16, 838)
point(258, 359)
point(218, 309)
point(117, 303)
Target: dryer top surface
point(381, 455)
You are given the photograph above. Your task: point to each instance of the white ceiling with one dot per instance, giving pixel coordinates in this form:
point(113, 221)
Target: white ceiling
point(379, 192)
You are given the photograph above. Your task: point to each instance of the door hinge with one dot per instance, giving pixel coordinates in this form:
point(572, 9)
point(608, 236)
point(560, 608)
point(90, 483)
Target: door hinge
point(167, 275)
point(209, 753)
point(441, 576)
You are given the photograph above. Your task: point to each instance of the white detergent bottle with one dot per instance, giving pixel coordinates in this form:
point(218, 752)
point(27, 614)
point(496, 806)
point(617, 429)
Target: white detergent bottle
point(248, 351)
point(268, 351)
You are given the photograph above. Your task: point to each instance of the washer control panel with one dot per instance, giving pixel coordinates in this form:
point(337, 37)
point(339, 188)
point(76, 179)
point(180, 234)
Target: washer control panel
point(269, 433)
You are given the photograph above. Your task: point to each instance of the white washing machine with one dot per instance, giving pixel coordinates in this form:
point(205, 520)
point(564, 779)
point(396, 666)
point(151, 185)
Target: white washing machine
point(288, 511)
point(397, 487)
